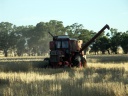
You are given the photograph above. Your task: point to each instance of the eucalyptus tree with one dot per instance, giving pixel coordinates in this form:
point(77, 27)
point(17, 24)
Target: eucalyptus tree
point(115, 40)
point(124, 42)
point(74, 30)
point(8, 38)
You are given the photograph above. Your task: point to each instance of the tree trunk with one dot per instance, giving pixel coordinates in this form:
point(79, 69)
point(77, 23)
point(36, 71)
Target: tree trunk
point(5, 53)
point(103, 52)
point(108, 51)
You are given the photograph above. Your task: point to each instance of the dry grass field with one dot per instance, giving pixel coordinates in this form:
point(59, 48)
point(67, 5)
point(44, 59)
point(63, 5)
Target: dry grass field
point(105, 76)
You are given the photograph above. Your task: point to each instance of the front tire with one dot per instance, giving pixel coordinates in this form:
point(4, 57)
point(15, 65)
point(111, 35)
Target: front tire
point(47, 60)
point(77, 61)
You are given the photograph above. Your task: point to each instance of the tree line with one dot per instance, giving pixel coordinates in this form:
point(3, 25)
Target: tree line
point(35, 39)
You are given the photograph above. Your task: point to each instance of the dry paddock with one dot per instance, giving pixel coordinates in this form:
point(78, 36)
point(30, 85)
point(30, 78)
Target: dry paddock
point(106, 75)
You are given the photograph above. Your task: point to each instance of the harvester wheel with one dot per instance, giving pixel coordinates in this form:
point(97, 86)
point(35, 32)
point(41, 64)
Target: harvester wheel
point(84, 62)
point(77, 61)
point(47, 60)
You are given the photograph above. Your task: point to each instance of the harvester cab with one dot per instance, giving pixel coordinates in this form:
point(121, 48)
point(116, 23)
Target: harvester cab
point(65, 51)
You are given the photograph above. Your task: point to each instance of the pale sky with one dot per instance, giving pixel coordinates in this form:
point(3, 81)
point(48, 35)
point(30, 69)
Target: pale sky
point(92, 14)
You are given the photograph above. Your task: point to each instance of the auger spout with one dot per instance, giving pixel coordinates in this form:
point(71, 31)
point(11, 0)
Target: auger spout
point(91, 40)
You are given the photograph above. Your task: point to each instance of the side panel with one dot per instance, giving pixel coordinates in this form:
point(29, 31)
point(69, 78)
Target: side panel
point(73, 45)
point(52, 45)
point(55, 56)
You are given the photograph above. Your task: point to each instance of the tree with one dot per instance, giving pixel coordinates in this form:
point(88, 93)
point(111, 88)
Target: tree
point(85, 35)
point(124, 42)
point(74, 30)
point(104, 44)
point(7, 37)
point(56, 27)
point(20, 47)
point(115, 42)
point(115, 39)
point(41, 37)
point(20, 34)
point(113, 31)
point(95, 47)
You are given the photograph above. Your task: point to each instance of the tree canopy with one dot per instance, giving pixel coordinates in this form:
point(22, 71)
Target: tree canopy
point(35, 39)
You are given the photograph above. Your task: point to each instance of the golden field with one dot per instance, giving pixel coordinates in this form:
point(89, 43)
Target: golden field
point(105, 76)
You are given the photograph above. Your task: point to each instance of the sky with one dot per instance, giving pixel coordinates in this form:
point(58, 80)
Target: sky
point(92, 14)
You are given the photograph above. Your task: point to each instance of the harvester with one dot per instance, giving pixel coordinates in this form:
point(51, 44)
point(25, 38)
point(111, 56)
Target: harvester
point(69, 52)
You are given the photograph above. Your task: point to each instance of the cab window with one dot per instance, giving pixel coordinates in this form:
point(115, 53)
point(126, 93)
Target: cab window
point(65, 44)
point(58, 44)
